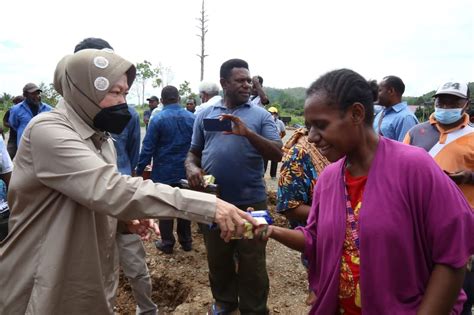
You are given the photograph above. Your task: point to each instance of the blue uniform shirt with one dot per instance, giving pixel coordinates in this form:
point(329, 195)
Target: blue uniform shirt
point(396, 122)
point(167, 140)
point(127, 144)
point(20, 116)
point(231, 159)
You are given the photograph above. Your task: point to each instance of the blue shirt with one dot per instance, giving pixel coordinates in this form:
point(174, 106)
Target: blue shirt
point(231, 159)
point(127, 144)
point(20, 116)
point(396, 122)
point(167, 140)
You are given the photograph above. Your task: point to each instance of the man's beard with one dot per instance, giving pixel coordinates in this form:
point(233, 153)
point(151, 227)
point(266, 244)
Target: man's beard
point(32, 102)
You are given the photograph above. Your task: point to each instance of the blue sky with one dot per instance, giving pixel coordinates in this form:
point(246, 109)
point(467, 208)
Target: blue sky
point(288, 43)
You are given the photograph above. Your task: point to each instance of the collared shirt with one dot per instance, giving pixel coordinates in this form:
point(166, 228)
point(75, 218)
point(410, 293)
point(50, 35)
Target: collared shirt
point(213, 100)
point(127, 144)
point(66, 196)
point(396, 121)
point(167, 140)
point(231, 159)
point(257, 101)
point(452, 149)
point(20, 116)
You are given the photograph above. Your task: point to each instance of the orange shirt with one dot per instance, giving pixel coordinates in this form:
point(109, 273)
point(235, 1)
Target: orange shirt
point(452, 149)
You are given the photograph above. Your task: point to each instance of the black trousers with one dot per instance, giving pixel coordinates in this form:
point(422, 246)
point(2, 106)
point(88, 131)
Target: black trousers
point(245, 287)
point(183, 230)
point(273, 168)
point(469, 289)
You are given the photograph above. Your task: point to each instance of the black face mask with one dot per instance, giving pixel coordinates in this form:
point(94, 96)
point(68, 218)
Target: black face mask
point(113, 119)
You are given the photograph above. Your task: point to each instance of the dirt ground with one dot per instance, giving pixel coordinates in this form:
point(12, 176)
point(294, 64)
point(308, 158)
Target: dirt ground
point(181, 283)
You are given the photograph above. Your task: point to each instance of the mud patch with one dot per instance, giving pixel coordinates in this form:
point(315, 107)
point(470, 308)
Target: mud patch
point(167, 293)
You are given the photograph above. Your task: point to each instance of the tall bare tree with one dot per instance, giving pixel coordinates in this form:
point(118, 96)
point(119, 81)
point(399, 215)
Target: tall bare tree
point(203, 30)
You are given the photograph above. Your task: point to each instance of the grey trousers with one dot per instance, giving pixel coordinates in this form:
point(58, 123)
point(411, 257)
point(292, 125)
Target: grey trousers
point(132, 259)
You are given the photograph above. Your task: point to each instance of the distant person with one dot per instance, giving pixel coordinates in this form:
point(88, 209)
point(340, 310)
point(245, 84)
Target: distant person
point(388, 232)
point(470, 112)
point(22, 113)
point(12, 136)
point(282, 132)
point(6, 167)
point(167, 141)
point(152, 104)
point(448, 137)
point(302, 164)
point(209, 94)
point(258, 96)
point(395, 119)
point(191, 105)
point(66, 196)
point(130, 247)
point(235, 159)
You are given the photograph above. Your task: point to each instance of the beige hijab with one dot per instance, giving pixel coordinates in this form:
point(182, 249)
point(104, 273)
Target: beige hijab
point(83, 79)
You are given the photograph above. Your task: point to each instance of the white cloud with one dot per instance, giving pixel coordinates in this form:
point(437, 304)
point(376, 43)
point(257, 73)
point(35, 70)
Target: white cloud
point(289, 43)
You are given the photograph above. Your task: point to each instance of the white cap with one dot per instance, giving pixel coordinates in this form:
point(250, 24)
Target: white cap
point(453, 88)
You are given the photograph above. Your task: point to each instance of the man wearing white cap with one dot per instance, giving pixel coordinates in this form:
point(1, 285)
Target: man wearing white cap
point(448, 137)
point(22, 113)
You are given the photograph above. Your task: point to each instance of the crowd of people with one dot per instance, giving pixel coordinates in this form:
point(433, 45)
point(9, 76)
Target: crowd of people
point(383, 227)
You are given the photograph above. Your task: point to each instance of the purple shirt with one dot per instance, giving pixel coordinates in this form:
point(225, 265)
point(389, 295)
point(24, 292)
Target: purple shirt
point(412, 217)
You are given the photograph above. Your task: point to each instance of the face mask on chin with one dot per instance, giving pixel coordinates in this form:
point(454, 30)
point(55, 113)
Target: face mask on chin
point(447, 116)
point(113, 119)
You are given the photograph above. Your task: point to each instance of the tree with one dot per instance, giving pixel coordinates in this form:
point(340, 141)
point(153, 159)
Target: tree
point(185, 91)
point(146, 72)
point(203, 30)
point(49, 94)
point(6, 101)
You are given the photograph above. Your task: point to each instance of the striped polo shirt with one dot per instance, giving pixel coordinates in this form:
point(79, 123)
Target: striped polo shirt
point(452, 149)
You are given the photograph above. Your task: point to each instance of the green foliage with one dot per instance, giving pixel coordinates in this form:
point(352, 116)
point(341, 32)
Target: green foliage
point(146, 72)
point(49, 94)
point(185, 92)
point(424, 112)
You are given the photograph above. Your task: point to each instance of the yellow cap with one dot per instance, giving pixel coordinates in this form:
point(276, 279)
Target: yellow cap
point(273, 110)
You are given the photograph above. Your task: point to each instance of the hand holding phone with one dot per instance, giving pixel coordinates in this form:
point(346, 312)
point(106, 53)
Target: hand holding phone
point(216, 124)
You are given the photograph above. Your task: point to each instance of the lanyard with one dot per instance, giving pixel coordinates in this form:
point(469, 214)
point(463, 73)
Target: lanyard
point(350, 214)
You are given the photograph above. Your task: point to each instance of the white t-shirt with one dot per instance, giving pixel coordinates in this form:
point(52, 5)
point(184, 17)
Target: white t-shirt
point(213, 100)
point(6, 165)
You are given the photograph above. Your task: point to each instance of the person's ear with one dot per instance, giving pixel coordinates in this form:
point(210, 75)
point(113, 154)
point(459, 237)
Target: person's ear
point(223, 83)
point(357, 112)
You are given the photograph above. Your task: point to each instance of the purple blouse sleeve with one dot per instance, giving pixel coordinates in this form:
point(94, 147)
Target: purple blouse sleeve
point(449, 220)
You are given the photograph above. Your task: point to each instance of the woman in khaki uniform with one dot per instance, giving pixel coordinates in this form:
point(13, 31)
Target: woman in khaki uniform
point(66, 196)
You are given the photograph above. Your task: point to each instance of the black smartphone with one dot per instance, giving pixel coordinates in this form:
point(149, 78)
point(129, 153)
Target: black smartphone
point(215, 124)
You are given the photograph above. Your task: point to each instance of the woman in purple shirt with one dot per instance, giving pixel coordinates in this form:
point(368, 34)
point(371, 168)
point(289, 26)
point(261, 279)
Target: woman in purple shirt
point(388, 232)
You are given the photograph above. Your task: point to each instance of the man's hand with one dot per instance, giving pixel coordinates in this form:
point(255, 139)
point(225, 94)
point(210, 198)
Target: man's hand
point(230, 219)
point(256, 82)
point(143, 228)
point(460, 177)
point(238, 127)
point(195, 178)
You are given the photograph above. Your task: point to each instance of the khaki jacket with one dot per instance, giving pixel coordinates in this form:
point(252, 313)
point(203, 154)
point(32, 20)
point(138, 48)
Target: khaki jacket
point(66, 196)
